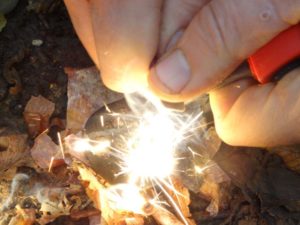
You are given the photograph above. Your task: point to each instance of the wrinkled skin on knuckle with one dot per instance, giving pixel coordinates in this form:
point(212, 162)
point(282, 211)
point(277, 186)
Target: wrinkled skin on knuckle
point(250, 23)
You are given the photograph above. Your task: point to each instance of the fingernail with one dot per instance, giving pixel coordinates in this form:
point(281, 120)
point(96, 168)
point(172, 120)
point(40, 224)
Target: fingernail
point(174, 71)
point(174, 40)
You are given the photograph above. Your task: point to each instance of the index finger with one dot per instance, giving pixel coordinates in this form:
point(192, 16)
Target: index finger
point(219, 38)
point(126, 38)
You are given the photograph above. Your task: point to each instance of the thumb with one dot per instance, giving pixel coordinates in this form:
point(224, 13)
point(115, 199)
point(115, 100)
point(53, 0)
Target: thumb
point(176, 16)
point(219, 38)
point(247, 114)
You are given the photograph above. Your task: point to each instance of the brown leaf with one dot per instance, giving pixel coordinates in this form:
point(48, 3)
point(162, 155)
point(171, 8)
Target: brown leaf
point(95, 220)
point(28, 216)
point(210, 190)
point(181, 197)
point(213, 177)
point(137, 220)
point(37, 113)
point(86, 94)
point(85, 213)
point(92, 184)
point(23, 217)
point(290, 155)
point(97, 193)
point(14, 151)
point(54, 203)
point(44, 149)
point(214, 173)
point(164, 217)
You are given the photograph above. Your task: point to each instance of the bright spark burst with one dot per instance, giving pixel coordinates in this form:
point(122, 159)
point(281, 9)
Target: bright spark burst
point(149, 154)
point(151, 150)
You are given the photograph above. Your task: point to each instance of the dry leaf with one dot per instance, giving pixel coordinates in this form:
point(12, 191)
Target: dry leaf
point(16, 184)
point(85, 213)
point(53, 204)
point(14, 151)
point(211, 191)
point(213, 176)
point(92, 184)
point(137, 220)
point(28, 216)
point(95, 220)
point(86, 94)
point(181, 196)
point(97, 192)
point(37, 113)
point(290, 155)
point(214, 173)
point(164, 217)
point(44, 150)
point(22, 217)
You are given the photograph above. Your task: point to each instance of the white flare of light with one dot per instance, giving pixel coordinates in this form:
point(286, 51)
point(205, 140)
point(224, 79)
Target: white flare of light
point(84, 144)
point(124, 198)
point(149, 156)
point(151, 149)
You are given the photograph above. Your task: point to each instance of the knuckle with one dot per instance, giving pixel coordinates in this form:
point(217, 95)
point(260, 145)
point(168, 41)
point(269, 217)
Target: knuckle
point(207, 26)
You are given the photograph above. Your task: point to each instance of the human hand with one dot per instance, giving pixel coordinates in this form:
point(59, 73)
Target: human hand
point(130, 43)
point(218, 39)
point(120, 36)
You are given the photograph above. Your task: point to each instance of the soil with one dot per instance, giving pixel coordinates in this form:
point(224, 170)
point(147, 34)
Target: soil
point(28, 70)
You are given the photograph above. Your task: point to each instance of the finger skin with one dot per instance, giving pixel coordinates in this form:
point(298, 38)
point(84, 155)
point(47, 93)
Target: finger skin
point(177, 14)
point(79, 12)
point(219, 38)
point(259, 115)
point(120, 36)
point(126, 35)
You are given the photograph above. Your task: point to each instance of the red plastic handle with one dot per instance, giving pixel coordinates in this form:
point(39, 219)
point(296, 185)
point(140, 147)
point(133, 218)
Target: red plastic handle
point(276, 54)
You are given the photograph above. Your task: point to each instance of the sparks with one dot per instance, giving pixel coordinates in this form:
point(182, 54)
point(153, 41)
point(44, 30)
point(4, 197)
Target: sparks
point(148, 152)
point(125, 197)
point(151, 150)
point(85, 144)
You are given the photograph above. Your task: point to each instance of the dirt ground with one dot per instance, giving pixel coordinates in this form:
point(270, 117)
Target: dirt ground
point(28, 70)
point(264, 189)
